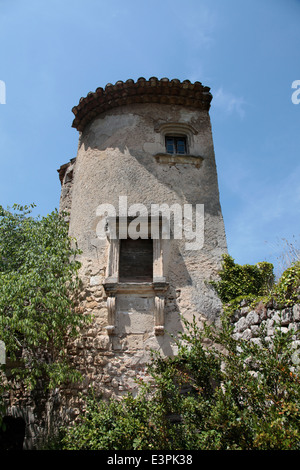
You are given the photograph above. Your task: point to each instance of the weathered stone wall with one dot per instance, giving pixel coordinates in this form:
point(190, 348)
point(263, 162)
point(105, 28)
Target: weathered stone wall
point(66, 176)
point(122, 152)
point(40, 411)
point(247, 321)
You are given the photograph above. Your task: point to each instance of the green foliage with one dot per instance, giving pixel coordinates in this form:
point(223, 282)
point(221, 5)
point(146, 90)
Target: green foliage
point(243, 280)
point(120, 425)
point(38, 272)
point(216, 394)
point(255, 283)
point(287, 289)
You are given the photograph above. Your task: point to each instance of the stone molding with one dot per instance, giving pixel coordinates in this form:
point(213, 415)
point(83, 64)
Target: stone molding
point(156, 289)
point(174, 159)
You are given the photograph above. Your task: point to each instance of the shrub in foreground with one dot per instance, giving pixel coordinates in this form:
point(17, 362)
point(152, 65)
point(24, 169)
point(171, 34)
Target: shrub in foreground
point(216, 394)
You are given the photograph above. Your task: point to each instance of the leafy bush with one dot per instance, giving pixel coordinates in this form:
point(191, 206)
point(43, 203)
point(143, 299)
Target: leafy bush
point(243, 280)
point(287, 289)
point(38, 274)
point(227, 395)
point(256, 283)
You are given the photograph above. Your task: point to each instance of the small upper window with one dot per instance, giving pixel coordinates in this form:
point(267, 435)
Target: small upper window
point(176, 145)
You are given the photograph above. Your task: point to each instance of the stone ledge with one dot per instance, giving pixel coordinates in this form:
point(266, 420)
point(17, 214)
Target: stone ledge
point(174, 159)
point(113, 288)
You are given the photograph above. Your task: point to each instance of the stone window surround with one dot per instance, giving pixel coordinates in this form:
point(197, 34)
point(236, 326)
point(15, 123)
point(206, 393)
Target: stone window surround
point(157, 288)
point(181, 130)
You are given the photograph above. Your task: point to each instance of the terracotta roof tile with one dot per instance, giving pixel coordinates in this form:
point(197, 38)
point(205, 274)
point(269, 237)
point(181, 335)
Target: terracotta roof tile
point(162, 91)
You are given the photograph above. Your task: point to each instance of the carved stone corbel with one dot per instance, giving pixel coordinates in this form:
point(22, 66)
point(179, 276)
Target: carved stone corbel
point(160, 289)
point(110, 289)
point(159, 315)
point(111, 317)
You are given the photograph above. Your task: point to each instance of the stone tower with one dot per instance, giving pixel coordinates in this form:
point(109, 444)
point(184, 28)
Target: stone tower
point(144, 207)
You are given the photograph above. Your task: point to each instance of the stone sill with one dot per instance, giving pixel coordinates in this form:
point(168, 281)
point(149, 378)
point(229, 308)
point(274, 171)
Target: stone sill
point(156, 287)
point(174, 159)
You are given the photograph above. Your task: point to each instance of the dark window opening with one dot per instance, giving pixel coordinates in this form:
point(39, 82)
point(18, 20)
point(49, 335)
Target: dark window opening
point(69, 177)
point(136, 260)
point(12, 434)
point(176, 145)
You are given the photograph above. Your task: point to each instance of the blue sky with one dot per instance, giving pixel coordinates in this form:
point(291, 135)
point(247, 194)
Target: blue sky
point(53, 52)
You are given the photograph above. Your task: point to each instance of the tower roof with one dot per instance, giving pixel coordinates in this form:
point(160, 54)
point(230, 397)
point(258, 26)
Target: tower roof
point(163, 91)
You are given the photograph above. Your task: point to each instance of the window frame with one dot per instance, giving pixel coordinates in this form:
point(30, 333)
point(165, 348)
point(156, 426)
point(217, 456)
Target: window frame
point(177, 130)
point(175, 144)
point(156, 288)
point(113, 262)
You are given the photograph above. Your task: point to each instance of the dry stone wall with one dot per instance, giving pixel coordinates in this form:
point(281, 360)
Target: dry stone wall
point(248, 321)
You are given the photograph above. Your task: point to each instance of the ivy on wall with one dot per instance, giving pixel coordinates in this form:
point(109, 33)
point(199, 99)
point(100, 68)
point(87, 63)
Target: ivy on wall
point(256, 283)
